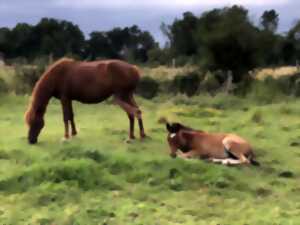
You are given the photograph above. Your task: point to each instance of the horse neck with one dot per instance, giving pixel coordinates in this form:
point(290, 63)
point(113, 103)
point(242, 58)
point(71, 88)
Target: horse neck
point(41, 97)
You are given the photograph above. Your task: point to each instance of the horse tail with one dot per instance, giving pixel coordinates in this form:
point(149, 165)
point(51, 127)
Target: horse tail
point(39, 88)
point(137, 70)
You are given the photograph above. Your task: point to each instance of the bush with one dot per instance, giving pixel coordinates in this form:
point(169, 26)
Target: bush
point(159, 56)
point(186, 84)
point(25, 78)
point(210, 83)
point(27, 75)
point(267, 91)
point(3, 86)
point(147, 87)
point(294, 84)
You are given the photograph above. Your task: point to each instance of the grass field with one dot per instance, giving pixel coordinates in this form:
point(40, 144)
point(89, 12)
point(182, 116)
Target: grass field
point(98, 179)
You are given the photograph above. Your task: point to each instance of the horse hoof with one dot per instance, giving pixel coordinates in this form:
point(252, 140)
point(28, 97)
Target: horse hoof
point(129, 141)
point(64, 139)
point(144, 137)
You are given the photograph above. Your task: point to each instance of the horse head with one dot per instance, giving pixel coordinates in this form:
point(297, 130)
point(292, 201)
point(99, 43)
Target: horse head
point(35, 123)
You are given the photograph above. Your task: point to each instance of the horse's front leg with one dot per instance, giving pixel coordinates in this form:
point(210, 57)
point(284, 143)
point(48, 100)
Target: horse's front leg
point(131, 126)
point(73, 127)
point(139, 117)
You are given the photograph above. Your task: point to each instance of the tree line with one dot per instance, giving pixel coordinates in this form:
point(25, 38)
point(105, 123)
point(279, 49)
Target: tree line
point(226, 39)
point(220, 39)
point(59, 38)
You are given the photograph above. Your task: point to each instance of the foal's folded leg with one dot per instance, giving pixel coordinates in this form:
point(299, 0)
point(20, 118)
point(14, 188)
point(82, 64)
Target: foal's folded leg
point(188, 155)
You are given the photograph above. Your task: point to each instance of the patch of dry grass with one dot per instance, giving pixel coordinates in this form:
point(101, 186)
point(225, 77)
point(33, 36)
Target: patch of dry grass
point(276, 72)
point(7, 73)
point(168, 73)
point(165, 72)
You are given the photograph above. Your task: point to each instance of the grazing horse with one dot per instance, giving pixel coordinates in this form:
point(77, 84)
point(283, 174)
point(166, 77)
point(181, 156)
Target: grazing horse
point(228, 149)
point(86, 82)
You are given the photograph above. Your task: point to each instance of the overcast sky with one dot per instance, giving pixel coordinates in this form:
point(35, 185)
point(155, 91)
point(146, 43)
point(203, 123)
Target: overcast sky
point(103, 15)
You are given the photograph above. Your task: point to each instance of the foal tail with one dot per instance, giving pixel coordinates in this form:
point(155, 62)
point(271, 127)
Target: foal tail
point(253, 160)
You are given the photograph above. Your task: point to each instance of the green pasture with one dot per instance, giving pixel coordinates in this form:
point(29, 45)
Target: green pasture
point(97, 178)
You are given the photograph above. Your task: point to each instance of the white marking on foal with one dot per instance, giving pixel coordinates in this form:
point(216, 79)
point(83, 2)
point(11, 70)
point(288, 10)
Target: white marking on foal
point(172, 135)
point(231, 162)
point(227, 161)
point(227, 143)
point(217, 160)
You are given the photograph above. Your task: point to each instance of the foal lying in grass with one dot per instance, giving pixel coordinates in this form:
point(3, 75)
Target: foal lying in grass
point(228, 149)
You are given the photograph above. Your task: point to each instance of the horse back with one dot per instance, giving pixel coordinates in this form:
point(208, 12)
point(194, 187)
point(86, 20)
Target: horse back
point(209, 144)
point(97, 80)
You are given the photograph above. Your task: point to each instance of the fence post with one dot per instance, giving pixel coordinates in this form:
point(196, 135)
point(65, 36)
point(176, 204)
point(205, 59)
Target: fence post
point(173, 62)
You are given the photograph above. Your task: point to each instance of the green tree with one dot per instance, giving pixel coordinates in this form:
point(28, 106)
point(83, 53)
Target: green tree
point(269, 20)
point(227, 40)
point(130, 43)
point(183, 35)
point(57, 37)
point(291, 48)
point(98, 46)
point(5, 44)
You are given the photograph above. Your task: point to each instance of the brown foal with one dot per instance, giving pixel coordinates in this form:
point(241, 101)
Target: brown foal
point(228, 149)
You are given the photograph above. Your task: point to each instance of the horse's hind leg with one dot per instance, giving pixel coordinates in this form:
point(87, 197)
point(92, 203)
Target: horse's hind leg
point(139, 117)
point(68, 116)
point(130, 110)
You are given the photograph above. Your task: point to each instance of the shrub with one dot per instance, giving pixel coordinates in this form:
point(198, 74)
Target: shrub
point(3, 86)
point(186, 84)
point(266, 91)
point(257, 117)
point(27, 75)
point(25, 78)
point(147, 87)
point(158, 56)
point(210, 83)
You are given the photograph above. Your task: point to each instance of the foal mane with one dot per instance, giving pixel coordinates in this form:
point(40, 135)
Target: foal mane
point(30, 113)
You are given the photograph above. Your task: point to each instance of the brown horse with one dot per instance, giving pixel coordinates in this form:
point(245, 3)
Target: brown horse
point(222, 148)
point(86, 82)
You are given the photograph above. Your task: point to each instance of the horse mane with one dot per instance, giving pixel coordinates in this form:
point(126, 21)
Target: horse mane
point(30, 113)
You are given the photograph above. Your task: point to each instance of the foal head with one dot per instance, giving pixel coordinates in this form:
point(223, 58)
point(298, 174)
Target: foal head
point(35, 123)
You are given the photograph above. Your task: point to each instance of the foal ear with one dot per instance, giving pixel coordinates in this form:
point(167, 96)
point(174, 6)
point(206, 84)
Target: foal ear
point(169, 127)
point(174, 127)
